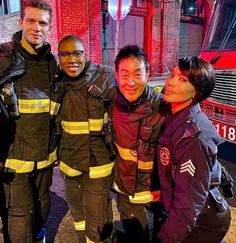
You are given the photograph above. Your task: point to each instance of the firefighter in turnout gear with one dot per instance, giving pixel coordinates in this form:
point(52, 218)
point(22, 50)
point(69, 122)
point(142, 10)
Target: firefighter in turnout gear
point(136, 122)
point(29, 152)
point(189, 172)
point(85, 156)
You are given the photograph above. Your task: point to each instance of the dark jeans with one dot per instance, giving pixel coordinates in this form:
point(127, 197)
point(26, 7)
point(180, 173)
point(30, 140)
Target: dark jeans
point(89, 199)
point(28, 203)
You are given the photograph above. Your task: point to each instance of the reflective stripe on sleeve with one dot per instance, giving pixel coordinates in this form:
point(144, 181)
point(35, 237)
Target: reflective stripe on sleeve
point(54, 108)
point(95, 125)
point(105, 117)
point(145, 165)
point(23, 166)
point(79, 226)
point(90, 241)
point(100, 171)
point(68, 170)
point(127, 154)
point(52, 158)
point(34, 105)
point(141, 197)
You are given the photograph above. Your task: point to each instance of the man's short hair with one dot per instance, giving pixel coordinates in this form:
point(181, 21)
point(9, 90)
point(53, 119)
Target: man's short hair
point(131, 51)
point(70, 38)
point(200, 74)
point(40, 4)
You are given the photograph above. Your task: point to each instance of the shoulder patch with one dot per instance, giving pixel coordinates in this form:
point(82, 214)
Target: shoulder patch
point(165, 156)
point(188, 167)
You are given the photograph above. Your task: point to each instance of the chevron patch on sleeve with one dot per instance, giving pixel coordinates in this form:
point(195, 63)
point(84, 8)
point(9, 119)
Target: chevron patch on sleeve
point(188, 167)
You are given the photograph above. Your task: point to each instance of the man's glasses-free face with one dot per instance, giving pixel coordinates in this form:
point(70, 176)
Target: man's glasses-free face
point(65, 54)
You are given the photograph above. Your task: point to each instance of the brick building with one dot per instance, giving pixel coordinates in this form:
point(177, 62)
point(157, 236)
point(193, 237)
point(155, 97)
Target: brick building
point(166, 29)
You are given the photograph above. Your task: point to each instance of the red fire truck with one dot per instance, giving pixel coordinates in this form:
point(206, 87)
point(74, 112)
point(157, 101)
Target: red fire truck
point(219, 48)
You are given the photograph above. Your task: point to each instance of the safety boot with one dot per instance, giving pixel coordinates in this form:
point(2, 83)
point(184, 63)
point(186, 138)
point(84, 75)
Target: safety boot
point(41, 236)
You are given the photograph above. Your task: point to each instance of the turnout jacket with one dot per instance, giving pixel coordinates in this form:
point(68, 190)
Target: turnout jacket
point(31, 134)
point(187, 166)
point(136, 128)
point(82, 116)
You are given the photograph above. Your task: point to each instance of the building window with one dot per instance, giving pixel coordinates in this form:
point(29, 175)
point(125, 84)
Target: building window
point(139, 3)
point(193, 11)
point(9, 6)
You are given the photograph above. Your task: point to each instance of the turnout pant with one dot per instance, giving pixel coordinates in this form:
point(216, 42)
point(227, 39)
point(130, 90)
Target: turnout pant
point(90, 205)
point(134, 219)
point(28, 202)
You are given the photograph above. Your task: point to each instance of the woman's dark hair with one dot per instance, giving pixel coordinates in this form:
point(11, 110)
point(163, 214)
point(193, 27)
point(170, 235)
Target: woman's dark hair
point(131, 51)
point(200, 74)
point(40, 4)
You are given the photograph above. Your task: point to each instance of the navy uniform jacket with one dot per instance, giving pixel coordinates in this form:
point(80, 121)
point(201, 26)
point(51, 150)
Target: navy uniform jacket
point(187, 165)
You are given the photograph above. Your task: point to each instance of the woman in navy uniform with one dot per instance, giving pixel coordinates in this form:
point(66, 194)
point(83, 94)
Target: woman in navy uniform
point(189, 172)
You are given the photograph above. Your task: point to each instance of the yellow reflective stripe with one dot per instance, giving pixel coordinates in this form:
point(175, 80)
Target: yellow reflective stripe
point(145, 165)
point(51, 159)
point(158, 89)
point(90, 241)
point(25, 166)
point(34, 105)
point(19, 166)
point(68, 170)
point(95, 125)
point(141, 197)
point(127, 154)
point(54, 108)
point(100, 171)
point(80, 226)
point(105, 117)
point(75, 127)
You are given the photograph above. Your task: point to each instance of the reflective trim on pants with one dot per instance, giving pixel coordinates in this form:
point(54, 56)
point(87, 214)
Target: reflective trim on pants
point(80, 226)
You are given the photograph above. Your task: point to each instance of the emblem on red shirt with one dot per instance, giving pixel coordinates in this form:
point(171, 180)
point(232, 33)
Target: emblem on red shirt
point(165, 156)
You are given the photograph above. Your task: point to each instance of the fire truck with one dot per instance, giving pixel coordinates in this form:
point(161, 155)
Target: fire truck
point(219, 48)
